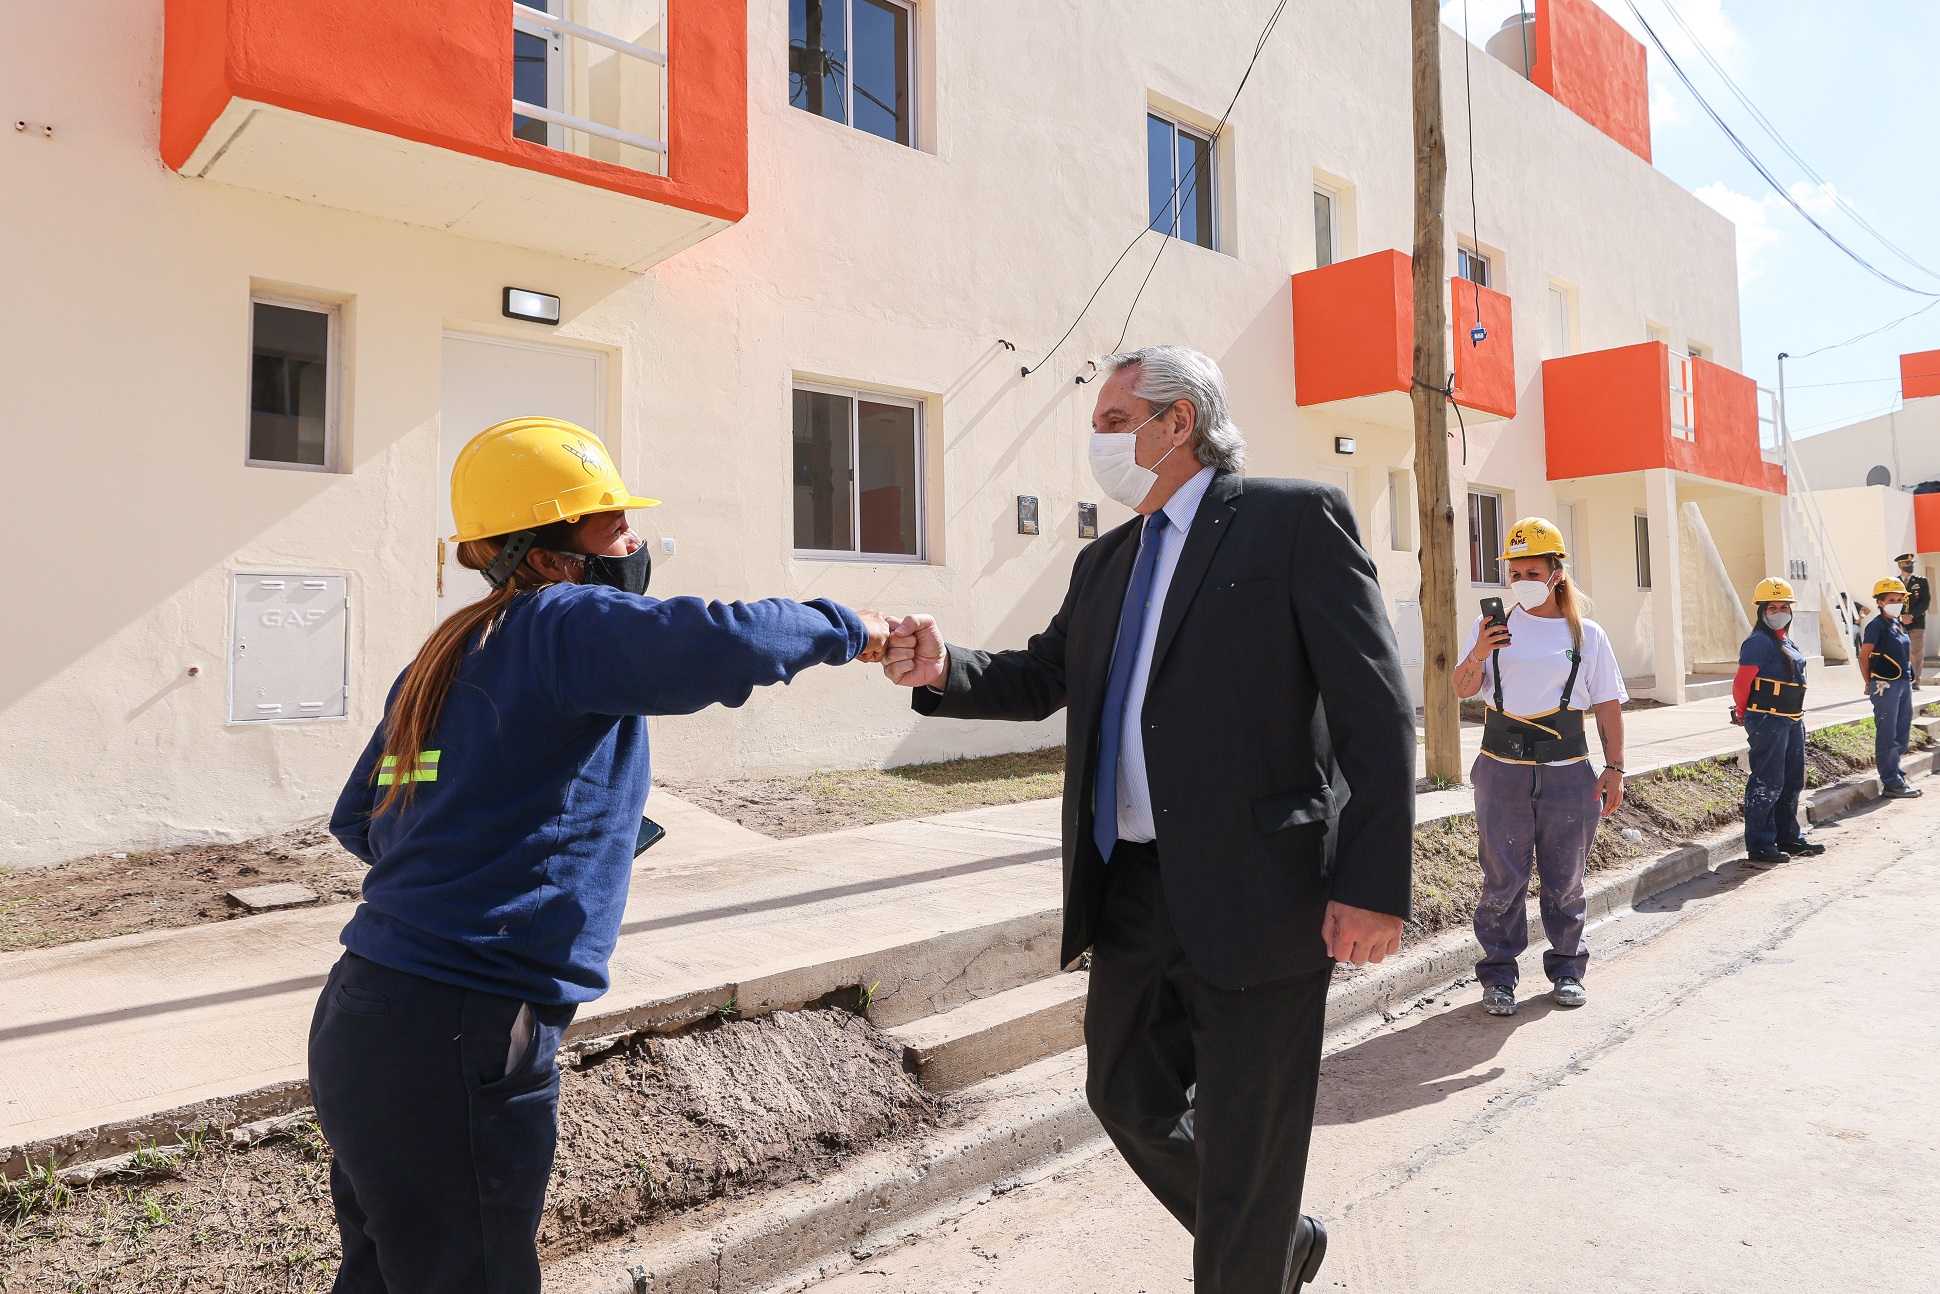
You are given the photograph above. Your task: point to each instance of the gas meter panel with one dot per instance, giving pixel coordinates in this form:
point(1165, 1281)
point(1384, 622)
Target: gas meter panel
point(288, 647)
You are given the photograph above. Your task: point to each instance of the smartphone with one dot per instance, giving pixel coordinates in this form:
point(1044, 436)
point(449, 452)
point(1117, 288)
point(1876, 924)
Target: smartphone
point(1492, 610)
point(650, 835)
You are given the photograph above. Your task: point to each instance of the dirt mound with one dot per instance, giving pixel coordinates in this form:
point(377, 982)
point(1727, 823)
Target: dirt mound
point(722, 1110)
point(122, 894)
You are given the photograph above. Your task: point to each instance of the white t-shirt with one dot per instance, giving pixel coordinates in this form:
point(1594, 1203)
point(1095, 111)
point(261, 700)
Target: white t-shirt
point(1535, 665)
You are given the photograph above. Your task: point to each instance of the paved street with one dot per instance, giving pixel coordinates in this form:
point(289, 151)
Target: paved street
point(1746, 1104)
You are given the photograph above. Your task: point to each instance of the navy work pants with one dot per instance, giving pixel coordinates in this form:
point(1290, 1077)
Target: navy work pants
point(1208, 1092)
point(1538, 816)
point(1892, 729)
point(442, 1153)
point(1777, 778)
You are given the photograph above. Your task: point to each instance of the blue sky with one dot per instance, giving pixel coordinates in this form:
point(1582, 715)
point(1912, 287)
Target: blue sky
point(1853, 89)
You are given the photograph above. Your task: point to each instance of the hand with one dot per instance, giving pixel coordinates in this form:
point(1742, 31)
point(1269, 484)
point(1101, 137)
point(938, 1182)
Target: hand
point(1906, 620)
point(1609, 785)
point(877, 626)
point(1357, 935)
point(1492, 637)
point(916, 656)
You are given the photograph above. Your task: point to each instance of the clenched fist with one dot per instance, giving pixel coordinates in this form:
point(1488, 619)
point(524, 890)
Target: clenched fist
point(916, 656)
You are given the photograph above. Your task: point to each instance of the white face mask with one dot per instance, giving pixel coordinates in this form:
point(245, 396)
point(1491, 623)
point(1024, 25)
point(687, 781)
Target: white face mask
point(1114, 465)
point(1530, 594)
point(1778, 619)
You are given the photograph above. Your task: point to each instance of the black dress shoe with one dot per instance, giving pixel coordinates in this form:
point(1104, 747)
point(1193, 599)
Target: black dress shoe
point(1305, 1253)
point(1766, 857)
point(1807, 848)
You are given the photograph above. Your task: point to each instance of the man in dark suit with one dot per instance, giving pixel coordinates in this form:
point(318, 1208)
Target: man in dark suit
point(1238, 802)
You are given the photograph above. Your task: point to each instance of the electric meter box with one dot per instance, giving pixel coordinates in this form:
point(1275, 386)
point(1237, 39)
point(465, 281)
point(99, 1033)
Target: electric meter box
point(288, 647)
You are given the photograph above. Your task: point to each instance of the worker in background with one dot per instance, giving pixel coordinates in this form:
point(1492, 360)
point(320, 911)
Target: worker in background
point(1919, 600)
point(1536, 796)
point(1883, 663)
point(1769, 700)
point(498, 805)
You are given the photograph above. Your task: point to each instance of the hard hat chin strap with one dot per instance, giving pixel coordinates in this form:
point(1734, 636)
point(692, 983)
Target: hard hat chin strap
point(499, 573)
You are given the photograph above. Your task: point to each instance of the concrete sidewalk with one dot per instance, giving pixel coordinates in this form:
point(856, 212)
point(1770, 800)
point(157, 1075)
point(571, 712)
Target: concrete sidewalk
point(118, 1029)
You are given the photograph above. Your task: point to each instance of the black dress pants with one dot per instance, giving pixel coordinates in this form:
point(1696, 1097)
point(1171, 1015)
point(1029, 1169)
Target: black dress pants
point(442, 1152)
point(1207, 1092)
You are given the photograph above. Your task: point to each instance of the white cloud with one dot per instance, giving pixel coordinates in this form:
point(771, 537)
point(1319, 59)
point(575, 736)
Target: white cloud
point(1752, 218)
point(1665, 108)
point(1819, 199)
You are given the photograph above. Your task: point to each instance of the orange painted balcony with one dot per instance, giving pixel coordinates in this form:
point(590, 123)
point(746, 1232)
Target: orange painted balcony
point(1354, 342)
point(1926, 522)
point(1920, 375)
point(618, 139)
point(1637, 407)
point(1582, 58)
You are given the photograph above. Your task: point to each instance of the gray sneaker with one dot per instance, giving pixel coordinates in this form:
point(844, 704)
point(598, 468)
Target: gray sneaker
point(1499, 999)
point(1570, 992)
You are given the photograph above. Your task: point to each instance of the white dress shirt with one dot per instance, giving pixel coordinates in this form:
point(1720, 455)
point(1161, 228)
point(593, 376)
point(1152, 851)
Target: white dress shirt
point(1134, 792)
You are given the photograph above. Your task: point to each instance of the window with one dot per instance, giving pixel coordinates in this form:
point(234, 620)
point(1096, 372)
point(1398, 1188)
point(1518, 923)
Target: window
point(1484, 537)
point(1697, 349)
point(1558, 336)
point(1640, 524)
point(1472, 265)
point(1401, 512)
point(538, 76)
point(850, 61)
point(858, 473)
point(1566, 522)
point(1656, 332)
point(293, 365)
point(1179, 179)
point(1326, 227)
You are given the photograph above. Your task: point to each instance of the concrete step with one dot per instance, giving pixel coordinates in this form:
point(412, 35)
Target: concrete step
point(997, 1034)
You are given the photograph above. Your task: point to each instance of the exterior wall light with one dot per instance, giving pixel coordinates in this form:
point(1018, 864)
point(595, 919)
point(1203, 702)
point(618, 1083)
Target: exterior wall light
point(533, 307)
point(1343, 444)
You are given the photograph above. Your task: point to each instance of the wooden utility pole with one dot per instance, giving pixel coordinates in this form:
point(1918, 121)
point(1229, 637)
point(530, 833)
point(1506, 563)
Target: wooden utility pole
point(1435, 509)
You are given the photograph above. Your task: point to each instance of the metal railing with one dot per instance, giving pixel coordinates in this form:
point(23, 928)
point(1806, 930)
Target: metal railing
point(528, 17)
point(1683, 406)
point(1769, 442)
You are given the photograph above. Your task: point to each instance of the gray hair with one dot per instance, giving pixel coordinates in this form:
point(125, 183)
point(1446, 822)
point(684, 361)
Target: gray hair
point(1170, 373)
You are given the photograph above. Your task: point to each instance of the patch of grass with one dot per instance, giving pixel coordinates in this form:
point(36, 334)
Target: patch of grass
point(1448, 878)
point(815, 802)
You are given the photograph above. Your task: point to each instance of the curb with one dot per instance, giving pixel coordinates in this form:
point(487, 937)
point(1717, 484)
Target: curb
point(804, 1234)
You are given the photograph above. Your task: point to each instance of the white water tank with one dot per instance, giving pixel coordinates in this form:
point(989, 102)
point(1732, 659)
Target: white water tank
point(1518, 32)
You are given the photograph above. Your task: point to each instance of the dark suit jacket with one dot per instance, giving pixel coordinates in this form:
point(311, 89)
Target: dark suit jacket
point(1279, 739)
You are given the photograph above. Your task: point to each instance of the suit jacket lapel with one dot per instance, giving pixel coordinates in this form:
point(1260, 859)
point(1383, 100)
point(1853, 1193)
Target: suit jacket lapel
point(1209, 526)
point(1103, 603)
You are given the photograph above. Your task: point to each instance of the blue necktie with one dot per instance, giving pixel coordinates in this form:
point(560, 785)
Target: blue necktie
point(1124, 653)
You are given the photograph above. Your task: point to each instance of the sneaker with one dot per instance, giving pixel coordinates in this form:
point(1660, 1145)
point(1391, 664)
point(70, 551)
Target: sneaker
point(1499, 999)
point(1903, 792)
point(1766, 857)
point(1797, 848)
point(1570, 992)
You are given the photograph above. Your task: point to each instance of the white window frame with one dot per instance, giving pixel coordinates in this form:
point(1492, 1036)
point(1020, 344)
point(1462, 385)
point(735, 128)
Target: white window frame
point(1401, 510)
point(556, 70)
point(1213, 152)
point(848, 81)
point(1489, 545)
point(1642, 560)
point(1478, 257)
point(333, 380)
point(1698, 350)
point(1334, 210)
point(1561, 295)
point(856, 395)
point(1654, 331)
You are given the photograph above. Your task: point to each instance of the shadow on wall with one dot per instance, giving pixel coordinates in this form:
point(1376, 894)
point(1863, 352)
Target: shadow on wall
point(1715, 624)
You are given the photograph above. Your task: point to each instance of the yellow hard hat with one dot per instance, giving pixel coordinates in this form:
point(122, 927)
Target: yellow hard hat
point(1889, 585)
point(528, 472)
point(1773, 589)
point(1533, 537)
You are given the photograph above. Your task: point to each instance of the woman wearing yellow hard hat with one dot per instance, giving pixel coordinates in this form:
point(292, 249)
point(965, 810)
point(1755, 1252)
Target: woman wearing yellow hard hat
point(1885, 657)
point(1537, 799)
point(498, 805)
point(1768, 697)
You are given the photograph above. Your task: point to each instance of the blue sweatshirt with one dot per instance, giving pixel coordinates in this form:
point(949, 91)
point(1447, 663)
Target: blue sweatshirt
point(508, 871)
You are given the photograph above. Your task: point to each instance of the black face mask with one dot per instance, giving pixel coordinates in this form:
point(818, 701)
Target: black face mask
point(629, 574)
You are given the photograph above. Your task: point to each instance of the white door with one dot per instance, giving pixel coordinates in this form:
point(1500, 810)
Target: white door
point(487, 380)
point(1344, 479)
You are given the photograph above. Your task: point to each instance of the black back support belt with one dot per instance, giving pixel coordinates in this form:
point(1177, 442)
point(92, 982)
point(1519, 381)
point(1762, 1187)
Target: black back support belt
point(1776, 696)
point(1558, 738)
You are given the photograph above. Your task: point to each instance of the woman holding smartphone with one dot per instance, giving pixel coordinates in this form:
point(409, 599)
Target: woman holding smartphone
point(1537, 799)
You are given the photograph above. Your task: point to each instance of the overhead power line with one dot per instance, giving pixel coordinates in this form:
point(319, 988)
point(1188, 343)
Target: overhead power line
point(1872, 333)
point(1212, 143)
point(1765, 122)
point(1765, 171)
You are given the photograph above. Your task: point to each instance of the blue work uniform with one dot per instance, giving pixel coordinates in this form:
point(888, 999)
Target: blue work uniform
point(1891, 689)
point(491, 908)
point(1775, 728)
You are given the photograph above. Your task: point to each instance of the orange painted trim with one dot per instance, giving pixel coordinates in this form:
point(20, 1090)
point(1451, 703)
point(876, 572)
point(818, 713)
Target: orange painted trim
point(1920, 376)
point(1587, 62)
point(1926, 522)
point(439, 72)
point(1353, 328)
point(1485, 375)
